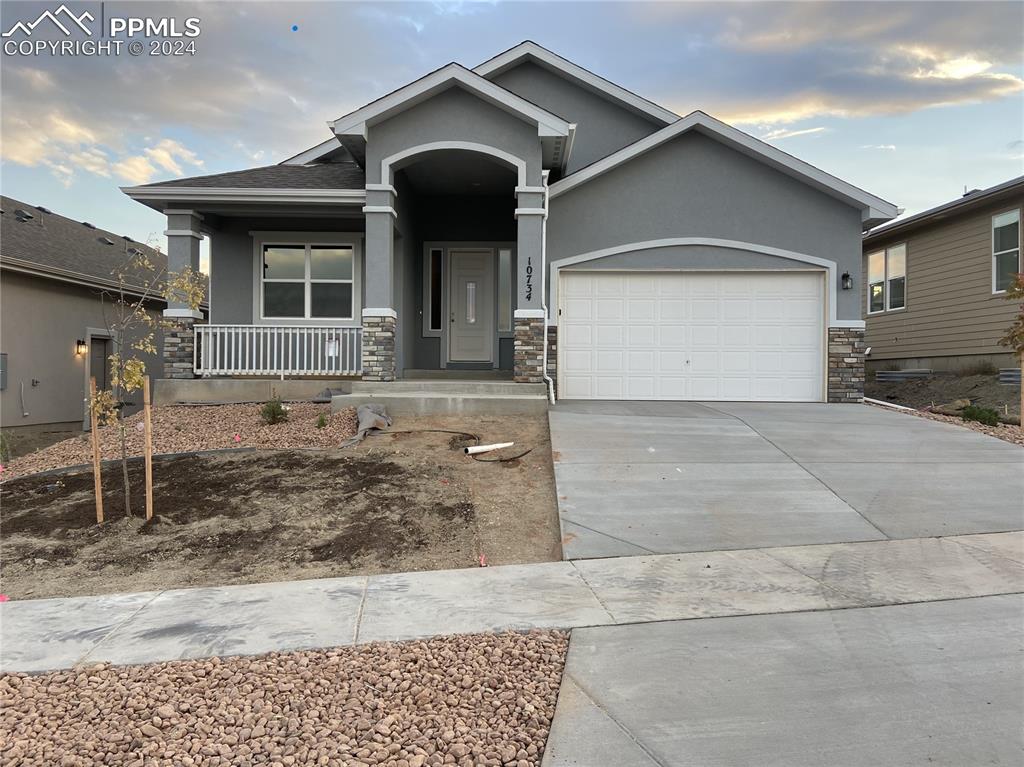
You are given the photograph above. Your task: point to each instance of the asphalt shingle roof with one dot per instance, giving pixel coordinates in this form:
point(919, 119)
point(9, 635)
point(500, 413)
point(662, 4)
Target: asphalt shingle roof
point(52, 241)
point(335, 175)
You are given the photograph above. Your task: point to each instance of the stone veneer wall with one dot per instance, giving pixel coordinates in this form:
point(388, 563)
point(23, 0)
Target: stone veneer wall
point(528, 357)
point(553, 356)
point(845, 365)
point(378, 348)
point(179, 347)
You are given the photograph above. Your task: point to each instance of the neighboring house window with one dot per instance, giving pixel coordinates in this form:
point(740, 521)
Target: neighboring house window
point(1005, 249)
point(308, 281)
point(887, 279)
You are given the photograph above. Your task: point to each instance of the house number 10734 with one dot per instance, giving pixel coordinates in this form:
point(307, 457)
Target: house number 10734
point(529, 278)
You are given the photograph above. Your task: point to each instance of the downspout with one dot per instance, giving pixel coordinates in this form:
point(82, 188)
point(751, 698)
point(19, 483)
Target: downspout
point(543, 288)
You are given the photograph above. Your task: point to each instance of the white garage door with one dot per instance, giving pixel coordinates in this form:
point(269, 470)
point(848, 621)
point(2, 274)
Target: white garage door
point(691, 336)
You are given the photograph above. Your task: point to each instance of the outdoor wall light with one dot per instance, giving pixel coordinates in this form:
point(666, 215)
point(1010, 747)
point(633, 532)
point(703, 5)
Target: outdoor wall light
point(847, 281)
point(81, 347)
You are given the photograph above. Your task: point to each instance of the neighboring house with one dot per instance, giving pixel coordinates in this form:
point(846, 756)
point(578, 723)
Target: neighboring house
point(56, 286)
point(465, 219)
point(935, 282)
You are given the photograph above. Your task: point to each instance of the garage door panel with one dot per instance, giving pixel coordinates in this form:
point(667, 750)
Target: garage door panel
point(688, 335)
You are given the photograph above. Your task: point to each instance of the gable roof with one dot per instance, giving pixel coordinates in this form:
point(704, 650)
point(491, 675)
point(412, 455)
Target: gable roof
point(969, 201)
point(356, 123)
point(54, 246)
point(874, 210)
point(531, 51)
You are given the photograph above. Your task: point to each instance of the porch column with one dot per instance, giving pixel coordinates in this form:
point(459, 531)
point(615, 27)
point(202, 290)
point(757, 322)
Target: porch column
point(183, 237)
point(529, 317)
point(380, 320)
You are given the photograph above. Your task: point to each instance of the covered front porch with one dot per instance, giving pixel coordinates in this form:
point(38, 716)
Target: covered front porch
point(431, 275)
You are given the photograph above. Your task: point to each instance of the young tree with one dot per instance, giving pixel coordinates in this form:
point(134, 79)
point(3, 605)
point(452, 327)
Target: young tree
point(132, 326)
point(1014, 337)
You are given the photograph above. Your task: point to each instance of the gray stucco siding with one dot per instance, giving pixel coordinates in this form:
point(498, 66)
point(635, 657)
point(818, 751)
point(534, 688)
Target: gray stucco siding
point(696, 187)
point(602, 126)
point(453, 115)
point(43, 348)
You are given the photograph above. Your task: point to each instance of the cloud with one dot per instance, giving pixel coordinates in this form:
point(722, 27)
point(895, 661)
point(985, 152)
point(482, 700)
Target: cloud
point(169, 155)
point(786, 133)
point(882, 147)
point(135, 170)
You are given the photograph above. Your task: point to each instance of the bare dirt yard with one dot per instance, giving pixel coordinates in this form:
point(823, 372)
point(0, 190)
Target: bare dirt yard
point(397, 502)
point(472, 700)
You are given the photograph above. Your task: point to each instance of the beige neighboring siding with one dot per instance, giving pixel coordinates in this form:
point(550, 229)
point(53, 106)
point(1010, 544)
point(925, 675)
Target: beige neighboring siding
point(951, 309)
point(40, 321)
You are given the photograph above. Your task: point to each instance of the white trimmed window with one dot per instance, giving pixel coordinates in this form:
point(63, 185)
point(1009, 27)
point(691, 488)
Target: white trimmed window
point(312, 281)
point(433, 270)
point(1005, 249)
point(887, 279)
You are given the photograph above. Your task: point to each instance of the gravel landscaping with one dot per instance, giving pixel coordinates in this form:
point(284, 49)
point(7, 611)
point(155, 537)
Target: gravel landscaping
point(1004, 431)
point(186, 428)
point(483, 700)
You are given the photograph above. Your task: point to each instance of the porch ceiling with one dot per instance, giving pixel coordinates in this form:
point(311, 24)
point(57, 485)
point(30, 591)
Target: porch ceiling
point(448, 173)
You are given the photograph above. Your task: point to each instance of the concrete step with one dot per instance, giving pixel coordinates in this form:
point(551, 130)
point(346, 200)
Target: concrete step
point(449, 388)
point(417, 403)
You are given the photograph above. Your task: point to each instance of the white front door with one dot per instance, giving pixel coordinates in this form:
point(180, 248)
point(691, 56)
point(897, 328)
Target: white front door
point(471, 306)
point(692, 335)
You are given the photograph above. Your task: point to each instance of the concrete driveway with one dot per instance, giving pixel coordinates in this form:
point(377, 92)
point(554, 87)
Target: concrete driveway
point(638, 478)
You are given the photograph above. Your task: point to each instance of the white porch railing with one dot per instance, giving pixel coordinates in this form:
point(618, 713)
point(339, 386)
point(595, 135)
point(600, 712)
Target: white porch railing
point(277, 350)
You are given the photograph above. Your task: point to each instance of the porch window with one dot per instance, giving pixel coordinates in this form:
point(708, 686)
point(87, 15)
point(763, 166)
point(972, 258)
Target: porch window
point(308, 281)
point(1005, 249)
point(504, 290)
point(432, 293)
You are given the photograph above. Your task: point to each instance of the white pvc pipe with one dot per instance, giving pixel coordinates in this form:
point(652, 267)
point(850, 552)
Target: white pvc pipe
point(888, 404)
point(473, 450)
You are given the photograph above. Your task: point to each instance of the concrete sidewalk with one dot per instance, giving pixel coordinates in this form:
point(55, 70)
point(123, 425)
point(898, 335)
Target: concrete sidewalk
point(47, 634)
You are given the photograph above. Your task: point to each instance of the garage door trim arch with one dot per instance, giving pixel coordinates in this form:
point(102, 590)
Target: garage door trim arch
point(830, 266)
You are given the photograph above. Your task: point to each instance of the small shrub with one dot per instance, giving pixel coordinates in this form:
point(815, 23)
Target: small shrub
point(984, 415)
point(321, 421)
point(5, 447)
point(274, 412)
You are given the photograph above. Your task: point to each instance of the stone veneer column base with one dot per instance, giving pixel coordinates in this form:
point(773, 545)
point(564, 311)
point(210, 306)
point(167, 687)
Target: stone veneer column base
point(845, 365)
point(528, 350)
point(179, 347)
point(378, 347)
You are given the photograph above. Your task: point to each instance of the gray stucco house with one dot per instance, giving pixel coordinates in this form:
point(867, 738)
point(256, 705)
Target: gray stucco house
point(529, 216)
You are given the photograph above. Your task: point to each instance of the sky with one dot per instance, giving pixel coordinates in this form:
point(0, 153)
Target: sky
point(911, 101)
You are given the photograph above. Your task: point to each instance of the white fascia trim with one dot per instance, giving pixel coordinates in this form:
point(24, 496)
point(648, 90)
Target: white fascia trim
point(415, 92)
point(528, 314)
point(382, 188)
point(530, 212)
point(380, 312)
point(235, 194)
point(467, 146)
point(380, 209)
point(830, 267)
point(872, 207)
point(183, 233)
point(511, 57)
point(311, 155)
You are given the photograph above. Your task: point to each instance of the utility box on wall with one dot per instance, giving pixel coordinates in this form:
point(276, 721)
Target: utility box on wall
point(3, 370)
